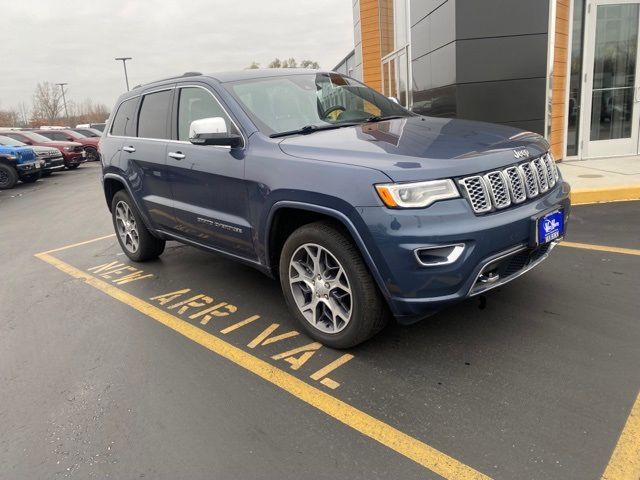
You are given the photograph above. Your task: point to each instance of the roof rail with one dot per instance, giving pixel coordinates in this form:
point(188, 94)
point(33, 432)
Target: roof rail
point(186, 74)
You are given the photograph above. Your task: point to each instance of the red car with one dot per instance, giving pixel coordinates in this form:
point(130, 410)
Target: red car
point(90, 144)
point(72, 152)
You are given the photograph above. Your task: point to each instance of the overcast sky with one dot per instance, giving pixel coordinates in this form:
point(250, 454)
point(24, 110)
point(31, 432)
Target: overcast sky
point(76, 41)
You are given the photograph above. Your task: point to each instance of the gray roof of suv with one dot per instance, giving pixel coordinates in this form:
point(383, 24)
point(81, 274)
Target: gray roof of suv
point(233, 76)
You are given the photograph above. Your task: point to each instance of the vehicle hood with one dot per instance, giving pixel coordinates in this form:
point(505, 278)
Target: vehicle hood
point(418, 148)
point(22, 154)
point(60, 144)
point(93, 141)
point(41, 150)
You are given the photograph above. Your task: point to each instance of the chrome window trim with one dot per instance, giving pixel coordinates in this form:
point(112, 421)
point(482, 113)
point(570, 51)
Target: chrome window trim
point(456, 253)
point(180, 142)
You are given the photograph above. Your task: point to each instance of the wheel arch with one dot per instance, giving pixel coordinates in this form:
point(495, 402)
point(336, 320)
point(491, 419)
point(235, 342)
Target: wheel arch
point(277, 232)
point(112, 184)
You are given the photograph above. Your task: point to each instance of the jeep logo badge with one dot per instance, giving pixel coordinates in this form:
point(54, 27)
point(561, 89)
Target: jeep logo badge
point(521, 153)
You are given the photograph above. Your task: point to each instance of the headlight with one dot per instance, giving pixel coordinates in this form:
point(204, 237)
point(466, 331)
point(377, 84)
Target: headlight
point(10, 157)
point(416, 195)
point(67, 149)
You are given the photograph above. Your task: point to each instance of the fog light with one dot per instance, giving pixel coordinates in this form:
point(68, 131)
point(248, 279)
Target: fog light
point(439, 254)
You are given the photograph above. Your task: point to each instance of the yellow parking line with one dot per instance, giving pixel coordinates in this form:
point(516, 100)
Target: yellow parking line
point(600, 248)
point(405, 445)
point(625, 461)
point(79, 244)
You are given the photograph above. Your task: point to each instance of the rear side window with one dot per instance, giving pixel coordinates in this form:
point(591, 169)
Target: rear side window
point(154, 113)
point(123, 121)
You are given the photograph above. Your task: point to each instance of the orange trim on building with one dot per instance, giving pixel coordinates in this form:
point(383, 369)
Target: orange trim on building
point(371, 43)
point(559, 79)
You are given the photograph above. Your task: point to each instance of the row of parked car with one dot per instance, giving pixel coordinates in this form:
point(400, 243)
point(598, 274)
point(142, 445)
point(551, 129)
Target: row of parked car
point(28, 154)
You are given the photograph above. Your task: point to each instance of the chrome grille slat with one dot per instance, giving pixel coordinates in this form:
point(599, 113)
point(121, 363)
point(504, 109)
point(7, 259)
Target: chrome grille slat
point(551, 177)
point(498, 190)
point(541, 171)
point(477, 194)
point(530, 179)
point(515, 184)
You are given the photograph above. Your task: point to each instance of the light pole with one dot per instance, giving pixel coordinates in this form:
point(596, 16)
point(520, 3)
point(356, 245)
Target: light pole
point(124, 64)
point(64, 100)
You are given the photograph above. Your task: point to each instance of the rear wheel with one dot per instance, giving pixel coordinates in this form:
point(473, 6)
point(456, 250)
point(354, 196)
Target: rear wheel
point(328, 287)
point(8, 177)
point(136, 240)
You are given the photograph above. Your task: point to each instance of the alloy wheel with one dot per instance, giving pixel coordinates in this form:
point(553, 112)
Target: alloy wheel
point(127, 227)
point(320, 288)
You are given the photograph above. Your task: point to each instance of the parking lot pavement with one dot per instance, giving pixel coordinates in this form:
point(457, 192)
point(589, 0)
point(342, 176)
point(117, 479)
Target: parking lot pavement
point(191, 367)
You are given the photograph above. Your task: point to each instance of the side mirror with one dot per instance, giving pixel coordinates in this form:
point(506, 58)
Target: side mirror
point(212, 131)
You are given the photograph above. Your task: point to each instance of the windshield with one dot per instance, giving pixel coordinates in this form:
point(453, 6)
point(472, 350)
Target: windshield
point(75, 134)
point(36, 137)
point(10, 142)
point(291, 102)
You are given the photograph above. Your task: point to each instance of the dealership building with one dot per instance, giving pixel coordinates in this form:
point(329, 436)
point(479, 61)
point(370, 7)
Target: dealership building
point(567, 69)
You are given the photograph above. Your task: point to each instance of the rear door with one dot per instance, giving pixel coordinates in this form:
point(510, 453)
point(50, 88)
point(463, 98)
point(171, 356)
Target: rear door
point(144, 158)
point(207, 181)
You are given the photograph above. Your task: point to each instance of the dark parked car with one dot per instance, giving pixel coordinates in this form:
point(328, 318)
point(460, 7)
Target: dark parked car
point(360, 207)
point(90, 145)
point(88, 132)
point(51, 156)
point(73, 153)
point(18, 163)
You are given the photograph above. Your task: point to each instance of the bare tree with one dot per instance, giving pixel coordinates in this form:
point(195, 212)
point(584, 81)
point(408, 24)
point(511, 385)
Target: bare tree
point(291, 63)
point(23, 114)
point(47, 103)
point(253, 65)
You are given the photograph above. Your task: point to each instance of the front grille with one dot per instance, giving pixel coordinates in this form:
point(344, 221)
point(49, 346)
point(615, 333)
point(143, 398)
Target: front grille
point(501, 188)
point(477, 194)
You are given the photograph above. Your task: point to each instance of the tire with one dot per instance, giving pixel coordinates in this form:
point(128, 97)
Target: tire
point(31, 178)
point(8, 177)
point(92, 154)
point(351, 291)
point(147, 247)
point(72, 167)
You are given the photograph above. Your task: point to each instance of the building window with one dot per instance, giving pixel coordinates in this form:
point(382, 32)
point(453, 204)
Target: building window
point(575, 80)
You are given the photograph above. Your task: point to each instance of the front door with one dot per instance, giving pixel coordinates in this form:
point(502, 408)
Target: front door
point(207, 181)
point(612, 79)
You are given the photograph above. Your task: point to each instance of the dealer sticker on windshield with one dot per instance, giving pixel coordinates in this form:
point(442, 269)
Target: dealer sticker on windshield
point(550, 226)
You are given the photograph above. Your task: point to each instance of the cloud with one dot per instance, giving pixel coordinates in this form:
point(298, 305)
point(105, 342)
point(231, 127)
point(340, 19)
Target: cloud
point(76, 41)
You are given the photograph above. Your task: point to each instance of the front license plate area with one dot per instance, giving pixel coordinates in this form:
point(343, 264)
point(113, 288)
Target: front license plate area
point(550, 226)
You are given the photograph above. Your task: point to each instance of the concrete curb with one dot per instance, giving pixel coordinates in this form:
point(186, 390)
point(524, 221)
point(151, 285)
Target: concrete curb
point(607, 194)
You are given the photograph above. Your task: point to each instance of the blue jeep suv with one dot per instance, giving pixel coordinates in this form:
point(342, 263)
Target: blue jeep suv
point(362, 209)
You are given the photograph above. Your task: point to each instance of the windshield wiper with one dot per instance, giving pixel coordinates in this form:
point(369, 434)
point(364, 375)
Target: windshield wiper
point(380, 118)
point(309, 129)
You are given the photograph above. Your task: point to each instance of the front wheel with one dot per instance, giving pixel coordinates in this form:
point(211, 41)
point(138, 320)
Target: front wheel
point(8, 177)
point(73, 167)
point(328, 288)
point(136, 240)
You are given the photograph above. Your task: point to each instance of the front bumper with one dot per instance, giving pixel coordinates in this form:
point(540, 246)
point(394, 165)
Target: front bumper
point(28, 168)
point(74, 158)
point(413, 290)
point(53, 164)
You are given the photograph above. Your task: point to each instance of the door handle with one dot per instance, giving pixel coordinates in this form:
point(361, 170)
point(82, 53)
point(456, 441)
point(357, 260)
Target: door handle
point(177, 155)
point(129, 149)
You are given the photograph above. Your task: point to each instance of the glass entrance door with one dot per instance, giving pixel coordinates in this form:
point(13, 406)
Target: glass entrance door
point(612, 75)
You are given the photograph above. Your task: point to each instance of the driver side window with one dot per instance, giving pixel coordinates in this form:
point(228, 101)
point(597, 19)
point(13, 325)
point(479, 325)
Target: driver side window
point(194, 104)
